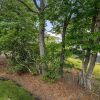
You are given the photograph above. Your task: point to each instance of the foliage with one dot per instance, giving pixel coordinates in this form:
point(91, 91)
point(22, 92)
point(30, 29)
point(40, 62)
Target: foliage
point(52, 61)
point(21, 45)
point(19, 69)
point(81, 37)
point(52, 73)
point(19, 29)
point(18, 34)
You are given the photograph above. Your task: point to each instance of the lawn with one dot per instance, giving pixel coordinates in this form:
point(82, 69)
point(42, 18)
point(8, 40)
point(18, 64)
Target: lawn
point(10, 91)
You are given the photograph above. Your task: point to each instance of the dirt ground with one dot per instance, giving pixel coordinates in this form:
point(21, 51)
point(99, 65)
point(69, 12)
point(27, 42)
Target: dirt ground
point(61, 90)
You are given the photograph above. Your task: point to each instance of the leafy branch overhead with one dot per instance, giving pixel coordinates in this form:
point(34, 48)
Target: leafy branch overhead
point(30, 9)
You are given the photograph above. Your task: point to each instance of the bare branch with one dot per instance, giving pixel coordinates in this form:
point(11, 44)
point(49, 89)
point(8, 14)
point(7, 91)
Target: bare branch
point(21, 1)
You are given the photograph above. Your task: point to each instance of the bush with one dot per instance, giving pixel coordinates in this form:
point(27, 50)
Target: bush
point(22, 45)
point(33, 70)
point(51, 76)
point(19, 69)
point(69, 65)
point(52, 73)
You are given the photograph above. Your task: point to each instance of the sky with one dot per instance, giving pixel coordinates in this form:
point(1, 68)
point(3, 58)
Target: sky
point(48, 24)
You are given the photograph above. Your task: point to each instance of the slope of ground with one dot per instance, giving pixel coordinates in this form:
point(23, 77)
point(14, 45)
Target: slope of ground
point(61, 90)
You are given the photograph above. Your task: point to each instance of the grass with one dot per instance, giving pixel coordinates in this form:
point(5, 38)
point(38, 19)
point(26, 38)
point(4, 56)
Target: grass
point(10, 91)
point(77, 63)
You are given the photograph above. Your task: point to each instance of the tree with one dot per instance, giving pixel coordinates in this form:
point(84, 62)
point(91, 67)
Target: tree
point(62, 12)
point(82, 34)
point(93, 55)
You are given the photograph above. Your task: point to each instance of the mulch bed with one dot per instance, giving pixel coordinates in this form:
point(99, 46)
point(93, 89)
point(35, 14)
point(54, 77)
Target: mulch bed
point(62, 90)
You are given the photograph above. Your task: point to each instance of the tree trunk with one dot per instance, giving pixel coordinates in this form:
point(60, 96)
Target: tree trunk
point(41, 39)
point(90, 70)
point(82, 76)
point(41, 29)
point(62, 57)
point(43, 68)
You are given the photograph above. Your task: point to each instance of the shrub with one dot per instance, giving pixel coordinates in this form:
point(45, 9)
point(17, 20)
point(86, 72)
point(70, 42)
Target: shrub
point(51, 76)
point(19, 69)
point(52, 73)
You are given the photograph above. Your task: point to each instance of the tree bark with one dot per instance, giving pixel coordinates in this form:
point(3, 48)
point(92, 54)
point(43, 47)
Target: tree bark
point(41, 26)
point(90, 70)
point(62, 56)
point(41, 29)
point(41, 15)
point(41, 35)
point(82, 76)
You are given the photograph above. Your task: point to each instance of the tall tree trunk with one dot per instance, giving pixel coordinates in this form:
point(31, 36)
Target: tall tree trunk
point(44, 66)
point(41, 37)
point(41, 15)
point(62, 57)
point(41, 29)
point(41, 25)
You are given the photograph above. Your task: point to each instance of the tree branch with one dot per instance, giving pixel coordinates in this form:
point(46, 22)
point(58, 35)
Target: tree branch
point(21, 1)
point(36, 4)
